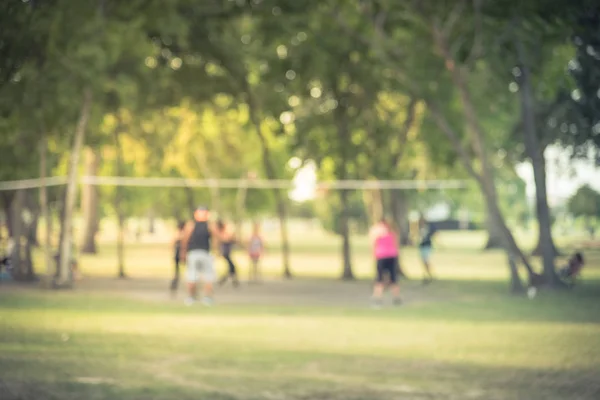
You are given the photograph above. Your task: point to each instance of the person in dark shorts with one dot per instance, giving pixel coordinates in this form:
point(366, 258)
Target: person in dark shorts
point(385, 249)
point(177, 254)
point(426, 231)
point(227, 242)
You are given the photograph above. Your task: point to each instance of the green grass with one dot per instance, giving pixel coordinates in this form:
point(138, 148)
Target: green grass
point(315, 254)
point(77, 345)
point(463, 337)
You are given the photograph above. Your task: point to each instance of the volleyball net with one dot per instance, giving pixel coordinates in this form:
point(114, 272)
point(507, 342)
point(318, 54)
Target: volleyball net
point(145, 210)
point(284, 184)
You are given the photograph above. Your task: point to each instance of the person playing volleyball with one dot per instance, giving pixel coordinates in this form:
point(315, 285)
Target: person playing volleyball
point(195, 251)
point(255, 250)
point(385, 250)
point(426, 232)
point(227, 242)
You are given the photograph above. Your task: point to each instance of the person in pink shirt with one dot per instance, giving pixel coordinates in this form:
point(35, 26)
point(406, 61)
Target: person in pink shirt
point(385, 250)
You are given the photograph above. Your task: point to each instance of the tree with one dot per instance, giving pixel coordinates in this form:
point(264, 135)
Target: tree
point(329, 82)
point(440, 35)
point(585, 203)
point(531, 48)
point(227, 67)
point(584, 102)
point(89, 203)
point(535, 153)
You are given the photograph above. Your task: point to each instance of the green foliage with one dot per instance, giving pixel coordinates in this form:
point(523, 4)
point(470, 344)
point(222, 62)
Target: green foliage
point(189, 84)
point(303, 210)
point(329, 213)
point(585, 202)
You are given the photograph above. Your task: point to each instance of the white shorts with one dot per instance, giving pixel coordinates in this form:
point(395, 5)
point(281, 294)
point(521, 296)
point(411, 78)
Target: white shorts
point(200, 265)
point(425, 253)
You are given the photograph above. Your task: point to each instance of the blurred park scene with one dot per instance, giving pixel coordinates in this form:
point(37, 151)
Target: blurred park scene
point(469, 128)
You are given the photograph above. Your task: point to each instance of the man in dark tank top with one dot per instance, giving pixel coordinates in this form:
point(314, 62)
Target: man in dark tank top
point(195, 250)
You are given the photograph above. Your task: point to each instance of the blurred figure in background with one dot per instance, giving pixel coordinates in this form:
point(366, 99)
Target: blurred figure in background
point(227, 241)
point(426, 232)
point(195, 250)
point(255, 250)
point(385, 250)
point(571, 271)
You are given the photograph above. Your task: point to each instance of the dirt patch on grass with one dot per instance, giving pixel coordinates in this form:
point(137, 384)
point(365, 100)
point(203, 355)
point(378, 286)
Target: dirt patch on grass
point(298, 292)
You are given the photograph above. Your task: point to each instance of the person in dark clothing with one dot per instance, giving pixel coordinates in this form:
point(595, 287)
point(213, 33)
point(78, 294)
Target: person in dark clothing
point(177, 251)
point(227, 242)
point(426, 232)
point(195, 250)
point(571, 271)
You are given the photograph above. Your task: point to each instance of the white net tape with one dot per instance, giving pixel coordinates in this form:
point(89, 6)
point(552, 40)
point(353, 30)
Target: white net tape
point(33, 183)
point(234, 183)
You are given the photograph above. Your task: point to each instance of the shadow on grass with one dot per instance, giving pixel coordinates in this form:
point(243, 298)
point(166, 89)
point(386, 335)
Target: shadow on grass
point(291, 375)
point(451, 300)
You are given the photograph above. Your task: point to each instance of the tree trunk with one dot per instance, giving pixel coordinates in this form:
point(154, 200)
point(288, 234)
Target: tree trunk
point(240, 209)
point(7, 198)
point(373, 201)
point(65, 276)
point(189, 194)
point(343, 131)
point(33, 232)
point(486, 186)
point(89, 204)
point(119, 205)
point(485, 178)
point(215, 192)
point(495, 239)
point(61, 230)
point(535, 153)
point(537, 250)
point(50, 229)
point(151, 219)
point(400, 216)
point(283, 231)
point(399, 212)
point(271, 174)
point(509, 243)
point(121, 246)
point(30, 230)
point(45, 214)
point(16, 217)
point(28, 269)
point(516, 285)
point(347, 273)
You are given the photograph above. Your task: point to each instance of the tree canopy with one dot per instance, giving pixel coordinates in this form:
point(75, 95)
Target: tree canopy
point(365, 89)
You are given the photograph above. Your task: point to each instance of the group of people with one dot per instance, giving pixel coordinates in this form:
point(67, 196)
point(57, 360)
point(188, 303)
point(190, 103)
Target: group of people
point(196, 239)
point(384, 240)
point(194, 244)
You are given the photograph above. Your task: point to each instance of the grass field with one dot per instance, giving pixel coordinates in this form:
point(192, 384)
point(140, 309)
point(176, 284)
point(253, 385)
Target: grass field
point(462, 337)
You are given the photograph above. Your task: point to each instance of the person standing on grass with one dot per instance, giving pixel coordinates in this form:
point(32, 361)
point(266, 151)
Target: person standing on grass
point(426, 231)
point(255, 250)
point(227, 241)
point(177, 254)
point(385, 250)
point(195, 251)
